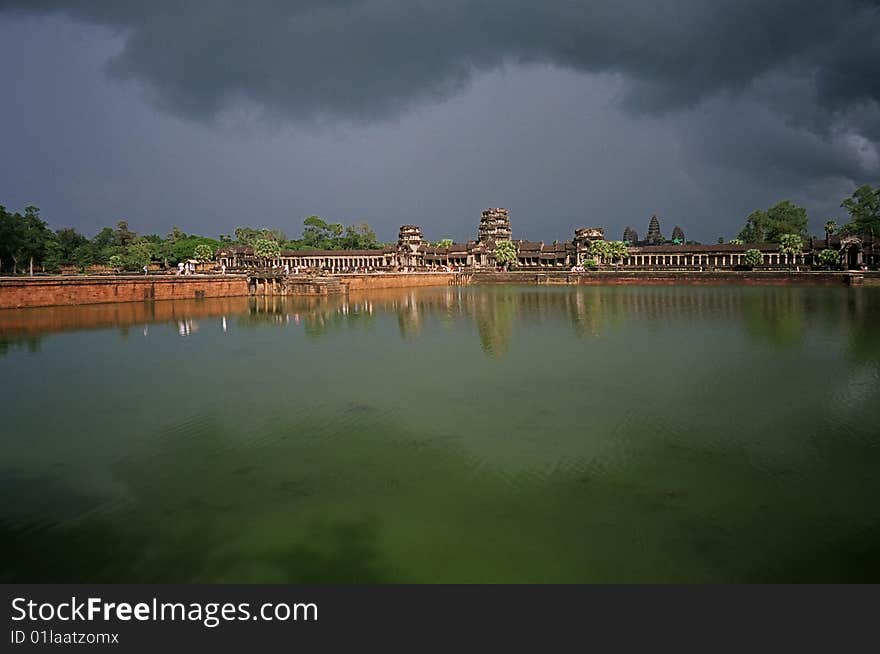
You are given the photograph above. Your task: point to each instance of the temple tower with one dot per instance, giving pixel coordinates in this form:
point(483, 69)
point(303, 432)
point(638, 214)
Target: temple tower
point(409, 235)
point(654, 236)
point(409, 242)
point(494, 226)
point(630, 235)
point(678, 234)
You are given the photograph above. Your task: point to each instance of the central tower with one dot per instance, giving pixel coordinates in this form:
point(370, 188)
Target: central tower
point(494, 225)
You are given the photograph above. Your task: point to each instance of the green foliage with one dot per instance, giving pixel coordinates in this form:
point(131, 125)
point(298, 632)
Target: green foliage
point(115, 262)
point(505, 253)
point(753, 257)
point(266, 249)
point(249, 235)
point(443, 243)
point(608, 250)
point(138, 254)
point(186, 248)
point(735, 241)
point(25, 239)
point(791, 245)
point(830, 227)
point(123, 236)
point(864, 208)
point(320, 235)
point(829, 258)
point(359, 236)
point(590, 263)
point(769, 226)
point(599, 249)
point(616, 250)
point(203, 252)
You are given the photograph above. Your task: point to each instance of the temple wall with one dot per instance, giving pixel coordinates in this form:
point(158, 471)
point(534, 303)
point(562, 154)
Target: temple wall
point(395, 280)
point(50, 291)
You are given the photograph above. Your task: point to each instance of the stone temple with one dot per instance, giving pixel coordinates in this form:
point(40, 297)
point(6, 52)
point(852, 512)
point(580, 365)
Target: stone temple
point(413, 253)
point(494, 226)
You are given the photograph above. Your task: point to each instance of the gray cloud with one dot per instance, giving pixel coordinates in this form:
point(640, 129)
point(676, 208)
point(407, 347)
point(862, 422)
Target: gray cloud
point(369, 59)
point(727, 106)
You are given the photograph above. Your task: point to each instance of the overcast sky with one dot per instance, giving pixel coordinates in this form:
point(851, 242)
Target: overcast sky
point(219, 113)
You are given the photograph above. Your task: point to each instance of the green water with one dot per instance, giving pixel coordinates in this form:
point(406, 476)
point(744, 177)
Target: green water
point(502, 434)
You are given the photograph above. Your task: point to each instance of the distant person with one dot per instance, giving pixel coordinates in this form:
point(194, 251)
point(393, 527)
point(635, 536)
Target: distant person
point(223, 270)
point(286, 268)
point(146, 269)
point(180, 268)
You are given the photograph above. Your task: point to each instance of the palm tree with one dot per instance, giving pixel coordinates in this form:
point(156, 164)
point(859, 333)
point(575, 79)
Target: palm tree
point(791, 245)
point(830, 228)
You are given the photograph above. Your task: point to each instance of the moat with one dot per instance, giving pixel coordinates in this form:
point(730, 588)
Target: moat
point(451, 434)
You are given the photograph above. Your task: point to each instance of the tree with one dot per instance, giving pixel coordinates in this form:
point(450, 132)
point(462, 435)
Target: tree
point(124, 236)
point(615, 250)
point(266, 249)
point(103, 246)
point(138, 254)
point(318, 234)
point(829, 258)
point(62, 250)
point(864, 209)
point(34, 237)
point(9, 236)
point(115, 262)
point(359, 236)
point(830, 227)
point(753, 257)
point(185, 248)
point(246, 235)
point(443, 243)
point(505, 253)
point(203, 252)
point(735, 241)
point(769, 226)
point(599, 249)
point(791, 245)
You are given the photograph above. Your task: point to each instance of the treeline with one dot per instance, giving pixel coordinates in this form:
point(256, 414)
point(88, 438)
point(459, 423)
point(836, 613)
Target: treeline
point(28, 243)
point(786, 218)
point(316, 235)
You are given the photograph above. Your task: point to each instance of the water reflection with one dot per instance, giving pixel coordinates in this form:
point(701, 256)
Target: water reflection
point(775, 317)
point(590, 434)
point(46, 320)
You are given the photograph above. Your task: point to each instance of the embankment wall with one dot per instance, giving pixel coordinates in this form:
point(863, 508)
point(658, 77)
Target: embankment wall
point(54, 291)
point(395, 280)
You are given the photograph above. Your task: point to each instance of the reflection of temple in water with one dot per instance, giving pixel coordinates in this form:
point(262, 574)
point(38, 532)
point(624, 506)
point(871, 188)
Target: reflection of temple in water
point(774, 316)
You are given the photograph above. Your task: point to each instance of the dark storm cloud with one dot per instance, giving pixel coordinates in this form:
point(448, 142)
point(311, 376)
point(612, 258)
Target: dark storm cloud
point(728, 105)
point(368, 59)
